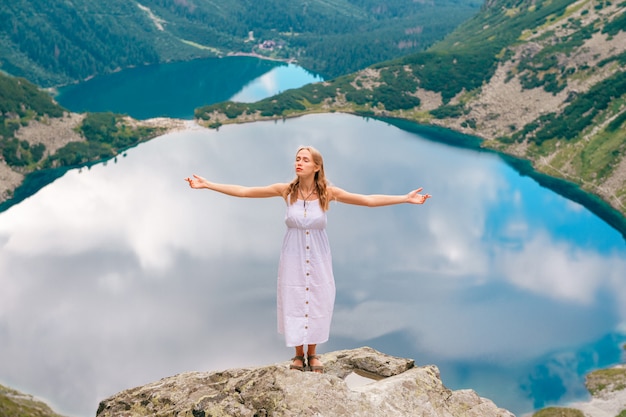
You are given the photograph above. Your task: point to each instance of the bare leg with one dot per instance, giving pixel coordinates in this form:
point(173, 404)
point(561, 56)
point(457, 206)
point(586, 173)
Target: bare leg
point(314, 363)
point(310, 351)
point(298, 363)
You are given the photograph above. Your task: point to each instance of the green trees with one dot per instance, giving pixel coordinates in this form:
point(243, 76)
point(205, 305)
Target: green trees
point(57, 42)
point(21, 98)
point(106, 134)
point(20, 102)
point(19, 153)
point(579, 114)
point(53, 43)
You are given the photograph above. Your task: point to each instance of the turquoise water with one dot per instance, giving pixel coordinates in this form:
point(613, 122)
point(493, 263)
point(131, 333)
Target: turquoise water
point(176, 89)
point(119, 275)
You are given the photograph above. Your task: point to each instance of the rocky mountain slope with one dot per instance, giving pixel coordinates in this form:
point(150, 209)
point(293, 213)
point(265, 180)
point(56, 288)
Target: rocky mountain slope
point(543, 81)
point(16, 404)
point(358, 382)
point(398, 388)
point(37, 135)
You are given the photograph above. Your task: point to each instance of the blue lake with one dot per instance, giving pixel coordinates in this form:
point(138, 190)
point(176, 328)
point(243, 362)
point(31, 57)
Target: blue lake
point(119, 275)
point(176, 89)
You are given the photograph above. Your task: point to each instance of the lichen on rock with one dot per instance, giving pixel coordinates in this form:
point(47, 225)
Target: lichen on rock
point(397, 388)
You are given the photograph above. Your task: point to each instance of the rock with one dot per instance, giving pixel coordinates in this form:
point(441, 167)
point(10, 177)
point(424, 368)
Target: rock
point(397, 388)
point(14, 403)
point(608, 392)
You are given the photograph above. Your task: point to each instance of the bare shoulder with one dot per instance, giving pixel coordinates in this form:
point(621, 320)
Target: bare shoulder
point(278, 188)
point(343, 196)
point(333, 192)
point(281, 189)
point(272, 190)
point(337, 194)
point(281, 186)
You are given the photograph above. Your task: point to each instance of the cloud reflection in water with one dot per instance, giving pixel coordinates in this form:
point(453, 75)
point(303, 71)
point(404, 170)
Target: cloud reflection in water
point(120, 275)
point(275, 81)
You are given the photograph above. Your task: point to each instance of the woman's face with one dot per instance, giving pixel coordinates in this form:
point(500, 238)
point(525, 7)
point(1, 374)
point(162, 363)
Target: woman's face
point(304, 164)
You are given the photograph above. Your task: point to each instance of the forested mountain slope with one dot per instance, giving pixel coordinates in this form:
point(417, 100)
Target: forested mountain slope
point(542, 80)
point(37, 134)
point(57, 42)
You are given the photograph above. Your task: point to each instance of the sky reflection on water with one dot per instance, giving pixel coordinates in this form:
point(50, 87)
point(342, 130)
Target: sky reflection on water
point(120, 275)
point(176, 89)
point(276, 81)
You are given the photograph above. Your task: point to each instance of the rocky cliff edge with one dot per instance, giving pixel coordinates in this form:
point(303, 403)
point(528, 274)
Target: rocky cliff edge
point(395, 387)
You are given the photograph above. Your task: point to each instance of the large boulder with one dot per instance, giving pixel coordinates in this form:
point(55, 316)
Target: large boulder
point(394, 387)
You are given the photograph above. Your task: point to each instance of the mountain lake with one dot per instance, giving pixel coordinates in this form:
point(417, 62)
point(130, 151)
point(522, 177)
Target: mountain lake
point(119, 274)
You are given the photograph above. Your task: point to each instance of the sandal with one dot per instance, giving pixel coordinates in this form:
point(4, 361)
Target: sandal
point(297, 367)
point(315, 368)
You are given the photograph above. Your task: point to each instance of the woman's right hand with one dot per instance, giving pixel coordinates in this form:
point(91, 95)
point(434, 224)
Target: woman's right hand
point(196, 181)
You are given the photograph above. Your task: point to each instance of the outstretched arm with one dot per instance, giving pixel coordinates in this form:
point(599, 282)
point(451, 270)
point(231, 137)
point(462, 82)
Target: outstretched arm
point(273, 190)
point(377, 200)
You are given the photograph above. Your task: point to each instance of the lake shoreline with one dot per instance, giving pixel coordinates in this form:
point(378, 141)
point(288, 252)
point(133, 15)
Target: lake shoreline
point(24, 185)
point(570, 190)
point(18, 186)
point(105, 204)
point(525, 167)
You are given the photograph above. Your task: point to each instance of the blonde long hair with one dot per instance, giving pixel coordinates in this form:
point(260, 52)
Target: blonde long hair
point(320, 181)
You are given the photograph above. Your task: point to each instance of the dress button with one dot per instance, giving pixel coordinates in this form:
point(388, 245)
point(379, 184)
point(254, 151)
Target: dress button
point(307, 288)
point(306, 302)
point(308, 273)
point(307, 261)
point(306, 315)
point(307, 248)
point(306, 327)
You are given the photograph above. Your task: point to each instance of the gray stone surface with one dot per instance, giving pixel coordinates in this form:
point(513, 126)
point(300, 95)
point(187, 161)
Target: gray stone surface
point(396, 387)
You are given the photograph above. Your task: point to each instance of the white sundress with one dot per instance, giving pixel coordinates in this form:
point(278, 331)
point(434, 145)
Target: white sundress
point(306, 286)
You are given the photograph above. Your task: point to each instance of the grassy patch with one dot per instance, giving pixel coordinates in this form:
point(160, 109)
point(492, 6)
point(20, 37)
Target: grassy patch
point(612, 379)
point(16, 404)
point(548, 147)
point(564, 156)
point(107, 135)
point(558, 412)
point(601, 155)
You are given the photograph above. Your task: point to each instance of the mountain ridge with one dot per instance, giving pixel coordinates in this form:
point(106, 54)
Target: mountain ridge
point(541, 81)
point(553, 93)
point(56, 43)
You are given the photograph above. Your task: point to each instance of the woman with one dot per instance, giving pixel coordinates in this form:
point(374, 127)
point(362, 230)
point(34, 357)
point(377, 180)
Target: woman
point(306, 286)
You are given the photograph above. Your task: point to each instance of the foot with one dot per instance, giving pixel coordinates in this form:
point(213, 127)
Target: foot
point(297, 363)
point(315, 365)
